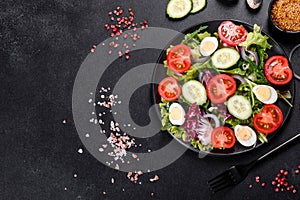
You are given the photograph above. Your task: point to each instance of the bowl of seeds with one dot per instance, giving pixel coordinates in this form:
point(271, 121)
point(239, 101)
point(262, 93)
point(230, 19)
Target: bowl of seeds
point(284, 15)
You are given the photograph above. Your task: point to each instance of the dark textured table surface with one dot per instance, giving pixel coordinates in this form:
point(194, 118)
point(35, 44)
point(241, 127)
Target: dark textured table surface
point(43, 44)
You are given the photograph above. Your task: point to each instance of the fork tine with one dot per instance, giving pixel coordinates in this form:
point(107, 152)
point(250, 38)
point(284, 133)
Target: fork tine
point(219, 183)
point(227, 184)
point(217, 178)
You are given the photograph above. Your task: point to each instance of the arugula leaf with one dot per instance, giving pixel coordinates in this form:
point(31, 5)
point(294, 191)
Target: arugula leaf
point(192, 37)
point(262, 137)
point(237, 71)
point(284, 98)
point(234, 121)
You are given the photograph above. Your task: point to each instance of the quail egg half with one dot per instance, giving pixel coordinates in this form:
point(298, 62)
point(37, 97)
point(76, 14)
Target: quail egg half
point(208, 46)
point(265, 94)
point(245, 135)
point(176, 114)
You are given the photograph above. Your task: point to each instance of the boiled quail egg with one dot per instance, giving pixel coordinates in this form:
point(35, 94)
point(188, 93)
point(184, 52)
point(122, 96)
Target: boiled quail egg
point(245, 135)
point(265, 94)
point(208, 46)
point(176, 114)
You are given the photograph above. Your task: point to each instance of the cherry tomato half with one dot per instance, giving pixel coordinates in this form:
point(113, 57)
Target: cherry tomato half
point(231, 34)
point(268, 120)
point(277, 70)
point(179, 58)
point(222, 137)
point(169, 89)
point(220, 88)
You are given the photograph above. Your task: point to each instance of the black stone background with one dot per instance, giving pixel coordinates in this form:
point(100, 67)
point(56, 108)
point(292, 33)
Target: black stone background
point(43, 44)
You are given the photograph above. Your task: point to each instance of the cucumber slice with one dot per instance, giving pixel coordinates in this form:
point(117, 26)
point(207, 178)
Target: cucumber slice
point(179, 8)
point(198, 5)
point(239, 106)
point(225, 58)
point(194, 92)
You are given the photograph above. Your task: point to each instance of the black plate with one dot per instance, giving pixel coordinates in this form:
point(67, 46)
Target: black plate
point(160, 73)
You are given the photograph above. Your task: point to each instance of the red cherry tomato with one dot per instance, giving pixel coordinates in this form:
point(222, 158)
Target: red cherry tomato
point(277, 70)
point(179, 58)
point(231, 34)
point(222, 137)
point(220, 88)
point(268, 120)
point(169, 89)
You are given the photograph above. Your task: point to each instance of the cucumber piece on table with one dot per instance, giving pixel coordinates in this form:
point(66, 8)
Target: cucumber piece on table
point(194, 92)
point(179, 8)
point(198, 5)
point(239, 106)
point(225, 58)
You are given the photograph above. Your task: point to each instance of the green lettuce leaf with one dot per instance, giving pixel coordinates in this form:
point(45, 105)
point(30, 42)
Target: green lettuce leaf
point(256, 38)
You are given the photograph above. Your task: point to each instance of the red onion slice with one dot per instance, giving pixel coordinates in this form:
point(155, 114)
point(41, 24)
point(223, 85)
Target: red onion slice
point(202, 59)
point(252, 53)
point(240, 78)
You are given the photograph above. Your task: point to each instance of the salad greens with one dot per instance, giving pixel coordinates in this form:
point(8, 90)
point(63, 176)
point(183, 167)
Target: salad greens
point(256, 38)
point(250, 69)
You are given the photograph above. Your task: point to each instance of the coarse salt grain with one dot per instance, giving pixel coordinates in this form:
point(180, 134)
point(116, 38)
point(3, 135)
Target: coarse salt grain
point(134, 155)
point(156, 178)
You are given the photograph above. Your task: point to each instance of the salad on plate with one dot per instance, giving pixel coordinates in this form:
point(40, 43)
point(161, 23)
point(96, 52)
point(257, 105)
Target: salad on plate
point(222, 88)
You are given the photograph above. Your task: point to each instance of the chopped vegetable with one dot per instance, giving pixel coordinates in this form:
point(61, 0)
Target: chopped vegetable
point(197, 125)
point(198, 5)
point(225, 58)
point(225, 89)
point(179, 8)
point(256, 38)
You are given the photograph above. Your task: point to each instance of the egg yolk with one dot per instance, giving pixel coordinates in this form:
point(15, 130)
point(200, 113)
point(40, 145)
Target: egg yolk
point(175, 113)
point(208, 46)
point(264, 93)
point(244, 133)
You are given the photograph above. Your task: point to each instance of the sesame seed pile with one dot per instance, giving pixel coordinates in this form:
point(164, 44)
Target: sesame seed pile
point(286, 14)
